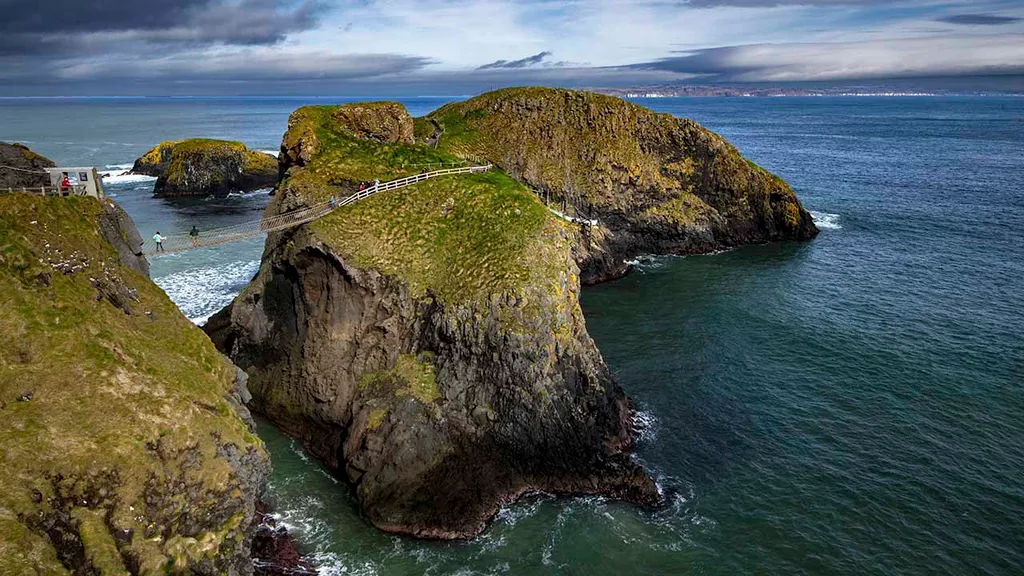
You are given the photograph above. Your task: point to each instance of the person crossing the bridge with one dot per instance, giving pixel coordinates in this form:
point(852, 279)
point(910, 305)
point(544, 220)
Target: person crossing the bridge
point(376, 183)
point(159, 241)
point(194, 233)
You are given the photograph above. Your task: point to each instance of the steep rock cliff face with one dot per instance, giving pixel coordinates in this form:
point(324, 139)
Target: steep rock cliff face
point(427, 343)
point(23, 167)
point(199, 167)
point(385, 122)
point(125, 447)
point(656, 183)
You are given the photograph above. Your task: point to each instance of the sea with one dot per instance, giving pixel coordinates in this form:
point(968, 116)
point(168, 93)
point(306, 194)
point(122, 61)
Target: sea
point(850, 405)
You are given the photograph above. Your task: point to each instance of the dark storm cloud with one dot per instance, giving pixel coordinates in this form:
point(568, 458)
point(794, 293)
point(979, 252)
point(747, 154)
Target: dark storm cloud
point(66, 26)
point(978, 19)
point(251, 65)
point(515, 64)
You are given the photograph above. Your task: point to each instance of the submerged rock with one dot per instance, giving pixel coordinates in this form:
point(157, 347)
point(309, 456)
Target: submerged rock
point(656, 184)
point(22, 167)
point(134, 454)
point(200, 167)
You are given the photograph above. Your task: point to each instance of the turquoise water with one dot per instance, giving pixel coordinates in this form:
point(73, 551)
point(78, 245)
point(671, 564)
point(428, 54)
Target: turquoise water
point(854, 405)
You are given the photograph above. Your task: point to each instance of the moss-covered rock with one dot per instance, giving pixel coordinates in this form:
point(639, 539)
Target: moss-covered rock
point(124, 446)
point(22, 167)
point(155, 161)
point(384, 122)
point(199, 167)
point(656, 183)
point(428, 342)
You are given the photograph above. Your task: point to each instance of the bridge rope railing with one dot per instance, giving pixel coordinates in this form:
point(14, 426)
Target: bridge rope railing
point(185, 241)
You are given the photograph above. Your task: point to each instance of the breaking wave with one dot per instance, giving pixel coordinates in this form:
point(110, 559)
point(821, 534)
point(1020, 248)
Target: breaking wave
point(826, 221)
point(121, 174)
point(201, 292)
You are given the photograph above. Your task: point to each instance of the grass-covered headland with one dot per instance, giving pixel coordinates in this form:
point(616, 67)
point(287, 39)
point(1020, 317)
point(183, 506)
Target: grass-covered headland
point(120, 450)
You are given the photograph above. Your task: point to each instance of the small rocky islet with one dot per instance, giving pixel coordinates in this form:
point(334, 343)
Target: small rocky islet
point(203, 166)
point(426, 344)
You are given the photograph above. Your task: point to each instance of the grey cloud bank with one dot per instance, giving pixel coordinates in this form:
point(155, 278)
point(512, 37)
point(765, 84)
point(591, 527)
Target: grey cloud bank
point(428, 47)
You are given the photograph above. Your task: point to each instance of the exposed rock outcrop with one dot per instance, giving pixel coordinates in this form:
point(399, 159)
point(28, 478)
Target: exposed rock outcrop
point(118, 229)
point(657, 184)
point(384, 122)
point(125, 446)
point(22, 167)
point(200, 167)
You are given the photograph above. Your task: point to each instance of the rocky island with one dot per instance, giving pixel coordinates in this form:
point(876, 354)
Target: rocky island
point(427, 343)
point(657, 184)
point(125, 445)
point(201, 167)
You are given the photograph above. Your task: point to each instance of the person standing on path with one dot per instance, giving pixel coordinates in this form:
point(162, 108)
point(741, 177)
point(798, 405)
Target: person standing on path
point(376, 183)
point(159, 241)
point(194, 233)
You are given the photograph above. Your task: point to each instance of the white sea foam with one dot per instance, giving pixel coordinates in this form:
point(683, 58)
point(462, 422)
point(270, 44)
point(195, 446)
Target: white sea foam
point(271, 152)
point(122, 176)
point(201, 292)
point(826, 220)
point(331, 564)
point(646, 425)
point(260, 192)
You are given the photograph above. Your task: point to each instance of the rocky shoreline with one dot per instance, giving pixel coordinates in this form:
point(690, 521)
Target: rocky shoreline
point(274, 550)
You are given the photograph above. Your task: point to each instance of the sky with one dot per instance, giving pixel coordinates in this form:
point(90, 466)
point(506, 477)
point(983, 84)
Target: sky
point(445, 47)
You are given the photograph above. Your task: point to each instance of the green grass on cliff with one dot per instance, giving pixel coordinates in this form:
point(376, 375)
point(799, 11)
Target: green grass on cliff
point(117, 400)
point(601, 151)
point(461, 237)
point(343, 158)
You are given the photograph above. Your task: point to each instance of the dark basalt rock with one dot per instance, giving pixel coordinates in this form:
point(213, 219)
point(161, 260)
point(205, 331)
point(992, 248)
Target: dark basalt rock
point(22, 167)
point(274, 550)
point(437, 413)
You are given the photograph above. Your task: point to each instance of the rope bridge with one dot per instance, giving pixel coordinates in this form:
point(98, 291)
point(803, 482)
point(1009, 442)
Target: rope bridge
point(180, 242)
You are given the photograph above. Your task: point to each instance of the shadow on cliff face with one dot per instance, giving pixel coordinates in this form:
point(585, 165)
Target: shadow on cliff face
point(403, 397)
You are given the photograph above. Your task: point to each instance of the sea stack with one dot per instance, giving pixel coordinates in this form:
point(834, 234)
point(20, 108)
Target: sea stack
point(427, 343)
point(201, 167)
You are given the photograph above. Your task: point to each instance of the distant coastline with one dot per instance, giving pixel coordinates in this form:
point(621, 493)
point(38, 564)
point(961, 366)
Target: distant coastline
point(782, 92)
